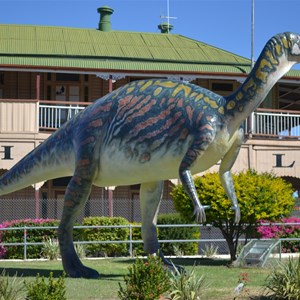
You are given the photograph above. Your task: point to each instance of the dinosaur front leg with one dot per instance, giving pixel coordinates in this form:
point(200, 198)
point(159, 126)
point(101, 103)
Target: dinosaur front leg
point(227, 183)
point(188, 183)
point(76, 195)
point(225, 174)
point(196, 150)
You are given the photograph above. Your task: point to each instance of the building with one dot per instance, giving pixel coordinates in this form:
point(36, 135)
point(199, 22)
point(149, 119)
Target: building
point(48, 74)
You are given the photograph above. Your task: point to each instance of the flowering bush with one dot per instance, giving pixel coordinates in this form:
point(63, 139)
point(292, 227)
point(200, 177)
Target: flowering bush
point(241, 290)
point(2, 251)
point(17, 236)
point(147, 280)
point(274, 231)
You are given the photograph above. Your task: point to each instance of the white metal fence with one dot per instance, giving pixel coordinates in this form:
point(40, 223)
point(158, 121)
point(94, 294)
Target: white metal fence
point(205, 238)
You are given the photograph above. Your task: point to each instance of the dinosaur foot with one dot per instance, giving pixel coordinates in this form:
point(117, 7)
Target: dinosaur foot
point(82, 272)
point(75, 269)
point(170, 266)
point(175, 268)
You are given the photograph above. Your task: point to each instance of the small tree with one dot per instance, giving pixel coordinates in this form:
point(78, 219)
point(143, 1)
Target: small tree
point(260, 196)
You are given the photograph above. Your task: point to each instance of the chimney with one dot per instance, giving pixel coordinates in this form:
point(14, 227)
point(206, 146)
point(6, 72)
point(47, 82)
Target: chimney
point(105, 13)
point(165, 27)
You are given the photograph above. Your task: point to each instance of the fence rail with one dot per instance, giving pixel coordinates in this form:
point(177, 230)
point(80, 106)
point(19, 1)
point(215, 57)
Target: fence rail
point(130, 240)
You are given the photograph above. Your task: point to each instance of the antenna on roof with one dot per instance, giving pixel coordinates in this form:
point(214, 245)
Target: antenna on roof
point(168, 16)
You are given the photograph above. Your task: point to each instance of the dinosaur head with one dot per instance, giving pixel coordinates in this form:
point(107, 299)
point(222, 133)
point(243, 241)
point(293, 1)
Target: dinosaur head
point(287, 44)
point(294, 47)
point(281, 52)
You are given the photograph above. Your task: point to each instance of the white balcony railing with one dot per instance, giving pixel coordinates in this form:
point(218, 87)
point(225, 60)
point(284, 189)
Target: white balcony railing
point(52, 116)
point(276, 123)
point(28, 116)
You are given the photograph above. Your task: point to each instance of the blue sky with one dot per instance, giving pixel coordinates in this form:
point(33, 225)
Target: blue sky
point(222, 23)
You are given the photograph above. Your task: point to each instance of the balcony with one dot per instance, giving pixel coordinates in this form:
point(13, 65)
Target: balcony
point(271, 123)
point(32, 116)
point(23, 116)
point(54, 114)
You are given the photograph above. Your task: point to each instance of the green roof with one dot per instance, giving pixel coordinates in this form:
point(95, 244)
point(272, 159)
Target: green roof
point(43, 47)
point(64, 47)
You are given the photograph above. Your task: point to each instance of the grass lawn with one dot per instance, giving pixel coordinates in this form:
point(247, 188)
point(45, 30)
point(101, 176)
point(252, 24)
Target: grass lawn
point(220, 278)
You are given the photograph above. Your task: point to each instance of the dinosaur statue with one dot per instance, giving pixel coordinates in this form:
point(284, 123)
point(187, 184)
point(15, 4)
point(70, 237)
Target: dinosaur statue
point(146, 132)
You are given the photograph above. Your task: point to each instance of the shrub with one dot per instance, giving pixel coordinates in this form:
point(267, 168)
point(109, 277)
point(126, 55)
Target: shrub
point(177, 233)
point(186, 286)
point(210, 250)
point(80, 250)
point(50, 249)
point(147, 280)
point(284, 281)
point(33, 236)
point(282, 231)
point(10, 288)
point(41, 290)
point(105, 234)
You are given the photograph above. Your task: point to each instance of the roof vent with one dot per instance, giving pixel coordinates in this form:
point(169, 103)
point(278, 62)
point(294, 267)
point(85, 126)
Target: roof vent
point(165, 27)
point(105, 13)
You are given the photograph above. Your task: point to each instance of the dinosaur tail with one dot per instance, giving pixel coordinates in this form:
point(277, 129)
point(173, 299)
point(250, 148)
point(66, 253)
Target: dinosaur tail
point(51, 159)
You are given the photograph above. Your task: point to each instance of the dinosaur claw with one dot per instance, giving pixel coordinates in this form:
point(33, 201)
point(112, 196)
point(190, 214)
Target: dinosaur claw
point(199, 213)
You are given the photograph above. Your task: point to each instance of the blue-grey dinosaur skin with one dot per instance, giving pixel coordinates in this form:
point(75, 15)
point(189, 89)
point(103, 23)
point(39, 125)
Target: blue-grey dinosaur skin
point(146, 132)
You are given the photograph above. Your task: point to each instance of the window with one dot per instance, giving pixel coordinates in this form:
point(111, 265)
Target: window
point(49, 92)
point(1, 84)
point(86, 93)
point(1, 79)
point(67, 77)
point(222, 86)
point(67, 87)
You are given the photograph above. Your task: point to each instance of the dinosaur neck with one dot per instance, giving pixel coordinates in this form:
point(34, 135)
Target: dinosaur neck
point(271, 65)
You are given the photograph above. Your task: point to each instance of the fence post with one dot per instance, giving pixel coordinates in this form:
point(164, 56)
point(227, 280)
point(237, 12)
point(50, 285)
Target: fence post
point(130, 240)
point(25, 243)
point(280, 250)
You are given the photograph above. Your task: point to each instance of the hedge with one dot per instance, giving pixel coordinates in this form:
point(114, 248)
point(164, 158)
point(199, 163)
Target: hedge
point(105, 234)
point(32, 236)
point(177, 233)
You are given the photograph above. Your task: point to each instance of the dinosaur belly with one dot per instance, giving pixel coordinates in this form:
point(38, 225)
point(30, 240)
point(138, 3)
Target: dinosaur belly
point(124, 165)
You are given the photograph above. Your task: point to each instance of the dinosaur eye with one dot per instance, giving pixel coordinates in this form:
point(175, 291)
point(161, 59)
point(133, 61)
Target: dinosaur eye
point(296, 49)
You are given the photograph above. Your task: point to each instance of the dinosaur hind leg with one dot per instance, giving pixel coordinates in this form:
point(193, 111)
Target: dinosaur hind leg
point(150, 194)
point(76, 195)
